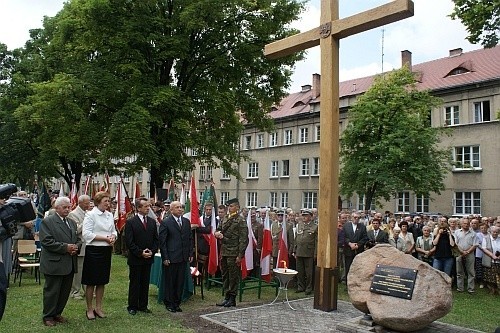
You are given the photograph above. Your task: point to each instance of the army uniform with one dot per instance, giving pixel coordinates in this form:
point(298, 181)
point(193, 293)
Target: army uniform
point(258, 231)
point(305, 251)
point(233, 244)
point(276, 235)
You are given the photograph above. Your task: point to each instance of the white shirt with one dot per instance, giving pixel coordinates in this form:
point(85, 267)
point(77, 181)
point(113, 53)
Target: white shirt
point(98, 223)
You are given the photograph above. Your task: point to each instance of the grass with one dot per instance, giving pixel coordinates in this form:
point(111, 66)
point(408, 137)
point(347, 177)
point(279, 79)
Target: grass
point(24, 308)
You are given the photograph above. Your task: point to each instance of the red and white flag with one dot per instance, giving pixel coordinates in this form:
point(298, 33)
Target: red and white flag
point(267, 250)
point(73, 196)
point(213, 256)
point(283, 246)
point(137, 190)
point(123, 206)
point(247, 261)
point(194, 205)
point(106, 184)
point(182, 199)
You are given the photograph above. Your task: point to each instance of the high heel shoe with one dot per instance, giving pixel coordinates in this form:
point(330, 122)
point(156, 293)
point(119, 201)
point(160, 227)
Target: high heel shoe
point(87, 314)
point(98, 315)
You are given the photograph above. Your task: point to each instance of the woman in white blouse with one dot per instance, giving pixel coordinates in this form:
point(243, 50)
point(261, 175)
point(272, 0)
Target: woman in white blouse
point(99, 233)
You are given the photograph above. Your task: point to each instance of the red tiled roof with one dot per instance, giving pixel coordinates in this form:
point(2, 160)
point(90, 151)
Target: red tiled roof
point(484, 65)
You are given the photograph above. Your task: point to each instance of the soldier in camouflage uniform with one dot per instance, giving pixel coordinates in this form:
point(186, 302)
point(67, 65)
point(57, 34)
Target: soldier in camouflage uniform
point(233, 233)
point(305, 251)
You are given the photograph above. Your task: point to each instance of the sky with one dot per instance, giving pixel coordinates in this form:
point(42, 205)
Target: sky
point(429, 35)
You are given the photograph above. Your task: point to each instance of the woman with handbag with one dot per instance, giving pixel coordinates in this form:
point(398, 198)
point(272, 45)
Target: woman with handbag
point(491, 260)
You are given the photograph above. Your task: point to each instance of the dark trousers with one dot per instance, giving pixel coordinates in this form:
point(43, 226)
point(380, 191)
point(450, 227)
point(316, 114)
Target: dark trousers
point(3, 289)
point(138, 287)
point(348, 263)
point(305, 269)
point(55, 294)
point(174, 283)
point(231, 273)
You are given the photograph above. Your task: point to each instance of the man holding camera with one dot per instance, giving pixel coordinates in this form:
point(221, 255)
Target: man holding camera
point(141, 237)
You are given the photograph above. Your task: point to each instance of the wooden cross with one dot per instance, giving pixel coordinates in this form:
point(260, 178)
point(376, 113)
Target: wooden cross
point(328, 35)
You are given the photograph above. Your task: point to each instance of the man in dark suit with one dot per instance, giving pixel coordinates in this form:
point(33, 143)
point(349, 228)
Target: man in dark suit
point(376, 235)
point(355, 239)
point(176, 248)
point(58, 261)
point(141, 237)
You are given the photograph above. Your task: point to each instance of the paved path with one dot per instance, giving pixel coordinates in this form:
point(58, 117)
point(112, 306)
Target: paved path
point(280, 318)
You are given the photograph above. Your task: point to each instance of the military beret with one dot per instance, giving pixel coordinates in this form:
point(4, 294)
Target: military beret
point(232, 201)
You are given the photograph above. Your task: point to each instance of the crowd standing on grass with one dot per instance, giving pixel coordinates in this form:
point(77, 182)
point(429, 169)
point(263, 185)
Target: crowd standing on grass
point(77, 245)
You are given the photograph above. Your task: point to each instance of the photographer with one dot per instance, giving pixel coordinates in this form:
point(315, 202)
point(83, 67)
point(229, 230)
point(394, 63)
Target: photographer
point(444, 242)
point(5, 262)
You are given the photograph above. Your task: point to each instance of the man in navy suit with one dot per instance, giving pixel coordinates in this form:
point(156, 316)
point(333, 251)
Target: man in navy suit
point(176, 249)
point(376, 235)
point(141, 237)
point(355, 239)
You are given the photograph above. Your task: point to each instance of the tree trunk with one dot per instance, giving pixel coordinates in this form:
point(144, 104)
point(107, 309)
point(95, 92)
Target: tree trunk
point(156, 181)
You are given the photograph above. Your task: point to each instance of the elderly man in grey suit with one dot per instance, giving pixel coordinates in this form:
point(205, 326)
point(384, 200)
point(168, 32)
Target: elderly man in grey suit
point(58, 261)
point(77, 215)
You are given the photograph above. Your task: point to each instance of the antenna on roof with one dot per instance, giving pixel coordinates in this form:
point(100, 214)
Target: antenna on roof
point(383, 32)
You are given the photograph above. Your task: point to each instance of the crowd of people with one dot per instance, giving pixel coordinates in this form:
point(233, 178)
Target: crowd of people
point(77, 245)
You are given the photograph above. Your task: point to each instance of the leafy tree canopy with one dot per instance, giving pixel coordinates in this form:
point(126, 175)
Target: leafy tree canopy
point(481, 18)
point(388, 145)
point(153, 80)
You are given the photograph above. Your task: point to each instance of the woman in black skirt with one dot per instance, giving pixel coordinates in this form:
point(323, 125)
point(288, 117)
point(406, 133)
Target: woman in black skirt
point(99, 234)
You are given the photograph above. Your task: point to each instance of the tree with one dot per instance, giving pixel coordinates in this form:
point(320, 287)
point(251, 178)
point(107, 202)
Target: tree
point(165, 77)
point(481, 18)
point(388, 145)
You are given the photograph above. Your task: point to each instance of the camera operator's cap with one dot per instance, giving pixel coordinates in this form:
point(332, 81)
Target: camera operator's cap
point(232, 201)
point(306, 212)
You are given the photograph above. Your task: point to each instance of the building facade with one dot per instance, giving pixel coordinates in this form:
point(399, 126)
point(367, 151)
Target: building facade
point(282, 169)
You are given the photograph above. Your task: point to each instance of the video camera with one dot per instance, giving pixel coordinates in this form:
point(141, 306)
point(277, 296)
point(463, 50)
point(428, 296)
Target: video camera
point(16, 210)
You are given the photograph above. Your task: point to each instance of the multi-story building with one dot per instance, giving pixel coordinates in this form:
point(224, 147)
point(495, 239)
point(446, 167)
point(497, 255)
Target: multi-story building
point(283, 166)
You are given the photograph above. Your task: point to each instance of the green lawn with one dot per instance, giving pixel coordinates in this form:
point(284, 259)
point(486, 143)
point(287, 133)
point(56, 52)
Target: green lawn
point(24, 304)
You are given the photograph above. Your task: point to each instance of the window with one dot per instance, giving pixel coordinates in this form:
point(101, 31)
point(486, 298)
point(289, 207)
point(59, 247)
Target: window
point(274, 170)
point(362, 203)
point(315, 167)
point(451, 115)
point(287, 137)
point(224, 197)
point(317, 133)
point(273, 199)
point(251, 199)
point(209, 173)
point(310, 200)
point(260, 140)
point(284, 200)
point(304, 167)
point(247, 142)
point(273, 139)
point(253, 170)
point(466, 157)
point(481, 111)
point(202, 172)
point(467, 203)
point(404, 202)
point(422, 204)
point(303, 134)
point(194, 152)
point(285, 170)
point(225, 175)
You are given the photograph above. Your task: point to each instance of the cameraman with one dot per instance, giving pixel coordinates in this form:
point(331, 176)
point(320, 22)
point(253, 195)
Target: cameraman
point(444, 242)
point(5, 262)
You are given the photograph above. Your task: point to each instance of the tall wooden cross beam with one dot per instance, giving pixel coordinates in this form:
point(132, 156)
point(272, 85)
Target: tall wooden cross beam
point(328, 35)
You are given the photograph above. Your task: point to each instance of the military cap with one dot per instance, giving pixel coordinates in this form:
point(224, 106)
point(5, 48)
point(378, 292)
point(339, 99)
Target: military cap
point(280, 212)
point(307, 212)
point(232, 201)
point(166, 202)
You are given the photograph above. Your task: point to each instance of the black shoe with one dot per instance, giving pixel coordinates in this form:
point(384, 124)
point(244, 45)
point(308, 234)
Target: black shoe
point(132, 312)
point(169, 309)
point(231, 302)
point(223, 303)
point(146, 310)
point(178, 309)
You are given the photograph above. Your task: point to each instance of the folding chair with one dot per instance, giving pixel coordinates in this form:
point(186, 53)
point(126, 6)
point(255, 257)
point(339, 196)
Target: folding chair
point(27, 257)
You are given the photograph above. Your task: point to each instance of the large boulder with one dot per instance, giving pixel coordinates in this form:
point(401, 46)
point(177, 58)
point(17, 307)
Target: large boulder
point(431, 299)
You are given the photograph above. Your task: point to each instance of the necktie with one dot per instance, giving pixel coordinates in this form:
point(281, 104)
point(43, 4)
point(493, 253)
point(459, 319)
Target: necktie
point(144, 222)
point(376, 233)
point(66, 222)
point(179, 222)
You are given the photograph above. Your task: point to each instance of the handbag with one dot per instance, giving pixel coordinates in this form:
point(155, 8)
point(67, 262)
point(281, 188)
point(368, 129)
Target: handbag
point(455, 251)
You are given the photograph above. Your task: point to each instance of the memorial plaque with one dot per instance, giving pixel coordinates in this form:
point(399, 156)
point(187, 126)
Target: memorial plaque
point(394, 281)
